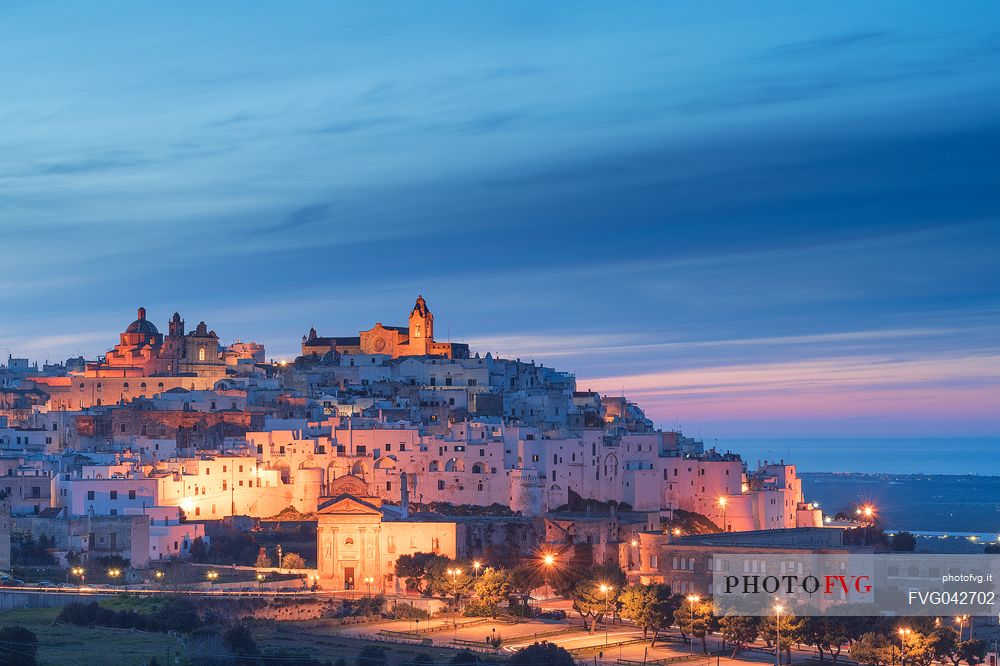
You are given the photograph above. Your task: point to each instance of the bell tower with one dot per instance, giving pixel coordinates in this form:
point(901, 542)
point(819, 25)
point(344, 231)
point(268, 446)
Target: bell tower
point(421, 327)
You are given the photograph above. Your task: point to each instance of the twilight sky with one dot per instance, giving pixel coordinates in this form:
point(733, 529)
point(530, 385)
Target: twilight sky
point(757, 219)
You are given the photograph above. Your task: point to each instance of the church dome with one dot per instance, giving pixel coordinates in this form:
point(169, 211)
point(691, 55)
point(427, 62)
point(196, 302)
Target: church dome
point(142, 325)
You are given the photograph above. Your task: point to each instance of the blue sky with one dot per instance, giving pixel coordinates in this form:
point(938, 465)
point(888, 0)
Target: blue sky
point(766, 219)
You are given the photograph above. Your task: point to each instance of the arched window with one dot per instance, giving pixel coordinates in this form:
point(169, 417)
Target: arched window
point(201, 353)
point(125, 386)
point(434, 466)
point(142, 385)
point(197, 511)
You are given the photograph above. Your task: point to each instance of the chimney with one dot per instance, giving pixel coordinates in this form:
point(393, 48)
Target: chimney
point(404, 495)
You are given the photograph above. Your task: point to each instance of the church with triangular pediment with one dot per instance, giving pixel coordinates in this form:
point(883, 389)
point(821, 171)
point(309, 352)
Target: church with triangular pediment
point(358, 539)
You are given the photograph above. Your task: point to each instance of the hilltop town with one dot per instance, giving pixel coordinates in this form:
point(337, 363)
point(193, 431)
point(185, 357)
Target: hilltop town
point(389, 440)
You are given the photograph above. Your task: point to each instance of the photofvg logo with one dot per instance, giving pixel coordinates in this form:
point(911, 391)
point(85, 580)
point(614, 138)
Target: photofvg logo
point(840, 586)
point(849, 584)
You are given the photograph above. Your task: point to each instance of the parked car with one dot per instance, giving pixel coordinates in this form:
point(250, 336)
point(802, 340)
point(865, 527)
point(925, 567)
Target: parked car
point(555, 614)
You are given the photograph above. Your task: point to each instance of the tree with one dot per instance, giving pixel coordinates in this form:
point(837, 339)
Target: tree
point(904, 542)
point(826, 634)
point(293, 561)
point(739, 630)
point(18, 646)
point(649, 606)
point(262, 561)
point(972, 652)
point(694, 619)
point(791, 631)
point(491, 588)
point(589, 601)
point(423, 659)
point(542, 653)
point(873, 650)
point(241, 644)
point(371, 655)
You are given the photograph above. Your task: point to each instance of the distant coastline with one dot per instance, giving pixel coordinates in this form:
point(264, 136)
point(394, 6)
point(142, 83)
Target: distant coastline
point(945, 503)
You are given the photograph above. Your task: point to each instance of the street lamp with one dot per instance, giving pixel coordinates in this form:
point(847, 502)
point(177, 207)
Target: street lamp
point(113, 574)
point(606, 589)
point(722, 504)
point(212, 576)
point(961, 625)
point(80, 573)
point(476, 564)
point(368, 581)
point(903, 633)
point(692, 600)
point(158, 575)
point(777, 628)
point(455, 573)
point(260, 580)
point(867, 513)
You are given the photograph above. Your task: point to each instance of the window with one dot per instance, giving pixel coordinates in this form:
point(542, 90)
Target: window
point(534, 458)
point(388, 485)
point(131, 494)
point(391, 545)
point(440, 485)
point(201, 353)
point(90, 494)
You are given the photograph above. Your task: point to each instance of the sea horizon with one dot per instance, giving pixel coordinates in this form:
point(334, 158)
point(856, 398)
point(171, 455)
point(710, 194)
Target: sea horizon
point(957, 456)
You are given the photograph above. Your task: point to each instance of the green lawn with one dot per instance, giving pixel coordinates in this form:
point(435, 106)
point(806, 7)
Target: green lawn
point(82, 646)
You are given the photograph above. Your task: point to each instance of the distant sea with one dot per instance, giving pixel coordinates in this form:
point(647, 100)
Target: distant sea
point(914, 455)
point(941, 485)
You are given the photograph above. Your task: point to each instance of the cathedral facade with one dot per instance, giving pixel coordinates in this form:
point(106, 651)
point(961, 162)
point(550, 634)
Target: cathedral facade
point(416, 339)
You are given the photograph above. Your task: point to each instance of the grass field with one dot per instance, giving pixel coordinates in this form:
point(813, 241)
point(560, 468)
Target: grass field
point(83, 646)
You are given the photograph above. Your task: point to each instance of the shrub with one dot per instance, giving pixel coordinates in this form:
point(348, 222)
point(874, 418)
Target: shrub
point(371, 655)
point(18, 646)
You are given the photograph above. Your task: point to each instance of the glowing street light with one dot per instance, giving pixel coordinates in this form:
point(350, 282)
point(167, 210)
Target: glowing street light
point(113, 574)
point(368, 581)
point(80, 573)
point(476, 564)
point(455, 573)
point(867, 513)
point(777, 628)
point(903, 633)
point(212, 576)
point(722, 501)
point(960, 620)
point(692, 599)
point(158, 575)
point(260, 580)
point(606, 589)
point(549, 560)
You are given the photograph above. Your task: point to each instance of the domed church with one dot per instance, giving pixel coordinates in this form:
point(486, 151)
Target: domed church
point(142, 351)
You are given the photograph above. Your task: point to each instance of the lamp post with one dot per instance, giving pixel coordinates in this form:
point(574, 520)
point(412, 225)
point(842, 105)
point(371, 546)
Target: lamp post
point(368, 581)
point(476, 564)
point(260, 581)
point(455, 573)
point(212, 576)
point(961, 626)
point(722, 505)
point(549, 562)
point(80, 573)
point(158, 575)
point(606, 589)
point(113, 574)
point(903, 633)
point(692, 599)
point(777, 629)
